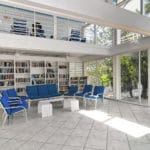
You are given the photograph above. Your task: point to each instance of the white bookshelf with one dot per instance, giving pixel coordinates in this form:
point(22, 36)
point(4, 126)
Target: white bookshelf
point(63, 76)
point(79, 81)
point(51, 72)
point(6, 74)
point(82, 82)
point(21, 71)
point(22, 76)
point(37, 72)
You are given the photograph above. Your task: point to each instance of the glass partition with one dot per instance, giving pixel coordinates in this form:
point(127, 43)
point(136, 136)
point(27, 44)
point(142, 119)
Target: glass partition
point(100, 73)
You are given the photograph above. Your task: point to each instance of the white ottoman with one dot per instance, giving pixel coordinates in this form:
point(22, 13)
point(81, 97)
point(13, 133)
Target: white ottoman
point(47, 110)
point(67, 104)
point(71, 104)
point(40, 103)
point(74, 105)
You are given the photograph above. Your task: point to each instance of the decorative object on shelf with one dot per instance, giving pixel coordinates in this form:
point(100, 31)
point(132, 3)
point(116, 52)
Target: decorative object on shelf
point(19, 26)
point(37, 30)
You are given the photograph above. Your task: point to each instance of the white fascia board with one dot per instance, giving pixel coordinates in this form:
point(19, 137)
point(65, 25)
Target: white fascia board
point(28, 43)
point(94, 11)
point(130, 47)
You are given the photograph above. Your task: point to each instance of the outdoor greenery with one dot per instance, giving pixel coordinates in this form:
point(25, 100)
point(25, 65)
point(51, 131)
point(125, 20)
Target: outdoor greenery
point(101, 72)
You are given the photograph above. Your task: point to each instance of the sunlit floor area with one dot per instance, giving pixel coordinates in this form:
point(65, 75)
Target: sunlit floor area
point(112, 126)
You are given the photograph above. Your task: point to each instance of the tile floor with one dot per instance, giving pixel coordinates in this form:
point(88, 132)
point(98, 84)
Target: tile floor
point(67, 130)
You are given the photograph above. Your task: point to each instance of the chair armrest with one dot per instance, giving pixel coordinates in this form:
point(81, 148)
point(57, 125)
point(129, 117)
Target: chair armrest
point(14, 98)
point(100, 94)
point(15, 107)
point(87, 93)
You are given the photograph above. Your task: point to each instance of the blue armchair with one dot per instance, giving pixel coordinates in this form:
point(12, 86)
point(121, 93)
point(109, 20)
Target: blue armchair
point(87, 89)
point(13, 106)
point(98, 94)
point(73, 89)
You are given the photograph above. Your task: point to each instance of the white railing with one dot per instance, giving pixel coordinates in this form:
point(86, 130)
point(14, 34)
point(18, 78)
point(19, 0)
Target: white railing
point(130, 37)
point(32, 23)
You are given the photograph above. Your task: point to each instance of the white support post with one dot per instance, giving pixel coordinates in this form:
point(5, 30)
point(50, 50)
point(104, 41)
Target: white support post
point(116, 67)
point(139, 83)
point(95, 35)
point(116, 77)
point(149, 77)
point(55, 27)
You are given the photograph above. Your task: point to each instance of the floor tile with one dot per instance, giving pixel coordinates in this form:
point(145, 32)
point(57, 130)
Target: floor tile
point(12, 144)
point(117, 145)
point(139, 146)
point(57, 139)
point(30, 145)
point(76, 141)
point(72, 148)
point(50, 147)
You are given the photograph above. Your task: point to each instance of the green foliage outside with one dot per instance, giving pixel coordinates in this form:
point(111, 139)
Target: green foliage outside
point(100, 73)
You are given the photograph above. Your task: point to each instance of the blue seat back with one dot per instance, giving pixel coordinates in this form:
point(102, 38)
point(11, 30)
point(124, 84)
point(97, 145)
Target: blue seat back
point(5, 102)
point(12, 93)
point(87, 88)
point(32, 91)
point(73, 89)
point(52, 90)
point(98, 90)
point(43, 91)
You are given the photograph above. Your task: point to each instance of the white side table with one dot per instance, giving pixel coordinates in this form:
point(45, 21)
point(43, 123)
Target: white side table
point(74, 105)
point(47, 110)
point(40, 103)
point(67, 104)
point(71, 104)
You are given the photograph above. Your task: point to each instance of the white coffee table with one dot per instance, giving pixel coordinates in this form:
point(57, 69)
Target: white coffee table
point(71, 104)
point(45, 108)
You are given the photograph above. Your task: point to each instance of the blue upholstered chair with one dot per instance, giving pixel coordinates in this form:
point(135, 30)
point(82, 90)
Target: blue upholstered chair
point(53, 90)
point(87, 89)
point(73, 89)
point(13, 106)
point(98, 94)
point(12, 94)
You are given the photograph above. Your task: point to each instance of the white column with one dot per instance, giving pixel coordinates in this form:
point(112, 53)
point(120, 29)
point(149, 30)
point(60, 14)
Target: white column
point(116, 77)
point(116, 67)
point(55, 27)
point(149, 77)
point(139, 82)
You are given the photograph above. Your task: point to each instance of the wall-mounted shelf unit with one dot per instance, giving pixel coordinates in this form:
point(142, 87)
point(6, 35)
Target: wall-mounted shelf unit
point(6, 74)
point(79, 81)
point(51, 72)
point(19, 72)
point(37, 72)
point(22, 76)
point(63, 77)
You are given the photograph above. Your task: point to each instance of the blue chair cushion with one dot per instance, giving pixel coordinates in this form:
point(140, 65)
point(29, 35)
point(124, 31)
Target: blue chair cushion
point(87, 88)
point(53, 90)
point(98, 90)
point(12, 93)
point(32, 92)
point(43, 91)
point(72, 90)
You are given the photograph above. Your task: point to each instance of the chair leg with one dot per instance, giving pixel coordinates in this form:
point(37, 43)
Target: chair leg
point(25, 112)
point(4, 120)
point(84, 99)
point(29, 104)
point(95, 103)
